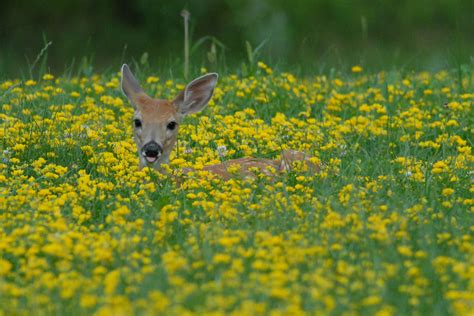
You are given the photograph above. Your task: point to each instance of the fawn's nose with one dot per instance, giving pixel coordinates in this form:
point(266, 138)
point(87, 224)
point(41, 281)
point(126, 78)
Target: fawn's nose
point(152, 150)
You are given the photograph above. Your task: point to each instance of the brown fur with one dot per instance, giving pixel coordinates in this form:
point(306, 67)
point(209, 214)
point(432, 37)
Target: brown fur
point(156, 110)
point(265, 166)
point(156, 114)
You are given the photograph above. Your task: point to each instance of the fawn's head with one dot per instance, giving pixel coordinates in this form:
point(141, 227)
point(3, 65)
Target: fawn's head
point(156, 122)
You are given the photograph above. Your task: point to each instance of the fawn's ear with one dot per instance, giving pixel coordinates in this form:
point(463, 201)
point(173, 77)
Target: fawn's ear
point(130, 87)
point(196, 95)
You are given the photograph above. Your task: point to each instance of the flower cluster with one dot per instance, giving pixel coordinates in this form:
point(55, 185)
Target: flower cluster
point(386, 227)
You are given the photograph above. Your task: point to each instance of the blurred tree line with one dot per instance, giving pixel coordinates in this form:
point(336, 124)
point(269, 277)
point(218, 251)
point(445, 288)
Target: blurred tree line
point(288, 32)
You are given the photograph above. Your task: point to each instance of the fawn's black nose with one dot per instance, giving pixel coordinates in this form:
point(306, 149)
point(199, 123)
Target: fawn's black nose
point(152, 150)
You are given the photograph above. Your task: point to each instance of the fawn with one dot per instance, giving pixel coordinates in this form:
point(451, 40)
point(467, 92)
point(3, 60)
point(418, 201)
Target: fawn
point(156, 124)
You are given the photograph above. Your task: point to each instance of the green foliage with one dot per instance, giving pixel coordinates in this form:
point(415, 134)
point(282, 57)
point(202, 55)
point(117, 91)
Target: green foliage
point(384, 228)
point(307, 34)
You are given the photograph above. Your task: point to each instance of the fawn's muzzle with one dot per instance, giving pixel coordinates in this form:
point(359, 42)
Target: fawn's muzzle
point(152, 151)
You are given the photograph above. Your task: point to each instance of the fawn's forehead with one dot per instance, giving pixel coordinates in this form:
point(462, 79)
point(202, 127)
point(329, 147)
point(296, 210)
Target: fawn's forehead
point(156, 110)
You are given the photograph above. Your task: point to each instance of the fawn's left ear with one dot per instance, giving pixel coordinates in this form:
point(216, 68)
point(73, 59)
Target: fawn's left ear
point(130, 87)
point(196, 95)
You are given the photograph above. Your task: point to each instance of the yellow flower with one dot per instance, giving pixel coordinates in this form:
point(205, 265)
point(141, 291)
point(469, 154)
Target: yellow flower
point(88, 300)
point(452, 123)
point(48, 77)
point(356, 69)
point(371, 300)
point(82, 225)
point(152, 79)
point(440, 167)
point(447, 204)
point(447, 191)
point(264, 67)
point(405, 251)
point(111, 282)
point(19, 147)
point(5, 267)
point(221, 258)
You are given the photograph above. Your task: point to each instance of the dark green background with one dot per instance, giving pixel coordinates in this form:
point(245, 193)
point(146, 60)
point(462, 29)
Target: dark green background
point(300, 35)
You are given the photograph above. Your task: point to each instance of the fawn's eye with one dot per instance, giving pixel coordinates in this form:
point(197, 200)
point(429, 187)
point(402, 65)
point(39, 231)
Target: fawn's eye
point(171, 125)
point(137, 123)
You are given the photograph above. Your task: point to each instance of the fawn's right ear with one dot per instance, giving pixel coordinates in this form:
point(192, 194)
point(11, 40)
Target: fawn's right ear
point(130, 87)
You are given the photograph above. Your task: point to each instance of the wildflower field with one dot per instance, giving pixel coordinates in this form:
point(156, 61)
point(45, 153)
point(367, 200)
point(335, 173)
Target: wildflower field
point(386, 227)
